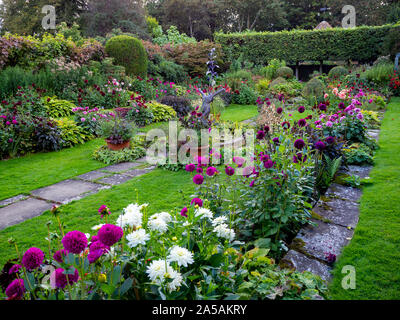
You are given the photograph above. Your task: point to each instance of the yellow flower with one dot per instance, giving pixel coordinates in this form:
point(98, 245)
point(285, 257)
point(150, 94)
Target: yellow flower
point(102, 277)
point(174, 238)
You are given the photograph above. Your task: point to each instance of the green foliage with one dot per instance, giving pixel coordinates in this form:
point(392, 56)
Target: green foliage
point(106, 68)
point(262, 86)
point(380, 74)
point(277, 81)
point(284, 72)
point(217, 106)
point(153, 27)
point(71, 133)
point(270, 70)
point(367, 43)
point(326, 169)
point(161, 112)
point(289, 89)
point(337, 72)
point(56, 108)
point(358, 154)
point(117, 130)
point(173, 36)
point(107, 156)
point(245, 96)
point(128, 52)
point(166, 69)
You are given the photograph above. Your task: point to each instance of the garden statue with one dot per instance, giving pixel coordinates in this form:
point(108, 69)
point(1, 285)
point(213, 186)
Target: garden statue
point(396, 63)
point(209, 98)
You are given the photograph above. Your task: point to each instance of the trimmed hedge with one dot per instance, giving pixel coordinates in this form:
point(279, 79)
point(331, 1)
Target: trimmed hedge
point(130, 53)
point(362, 44)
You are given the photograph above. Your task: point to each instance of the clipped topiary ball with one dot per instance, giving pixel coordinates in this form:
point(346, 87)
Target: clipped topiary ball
point(337, 72)
point(277, 81)
point(314, 87)
point(284, 72)
point(129, 52)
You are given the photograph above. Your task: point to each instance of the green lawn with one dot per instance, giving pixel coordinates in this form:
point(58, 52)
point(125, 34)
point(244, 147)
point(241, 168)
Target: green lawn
point(22, 175)
point(237, 113)
point(375, 249)
point(160, 188)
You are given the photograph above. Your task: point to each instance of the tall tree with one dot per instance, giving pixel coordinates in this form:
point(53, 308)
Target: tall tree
point(102, 16)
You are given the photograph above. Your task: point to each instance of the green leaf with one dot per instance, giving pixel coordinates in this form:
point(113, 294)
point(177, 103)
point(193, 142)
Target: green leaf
point(126, 286)
point(115, 277)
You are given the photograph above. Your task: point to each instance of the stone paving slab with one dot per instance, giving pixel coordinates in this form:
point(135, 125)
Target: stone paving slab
point(116, 179)
point(338, 211)
point(374, 134)
point(324, 239)
point(362, 172)
point(66, 191)
point(120, 167)
point(93, 175)
point(21, 211)
point(12, 200)
point(302, 263)
point(138, 172)
point(342, 192)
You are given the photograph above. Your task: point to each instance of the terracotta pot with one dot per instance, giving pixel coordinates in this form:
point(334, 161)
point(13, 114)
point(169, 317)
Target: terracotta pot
point(117, 147)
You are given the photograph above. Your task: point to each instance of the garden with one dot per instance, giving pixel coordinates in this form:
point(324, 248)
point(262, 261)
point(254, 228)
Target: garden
point(281, 183)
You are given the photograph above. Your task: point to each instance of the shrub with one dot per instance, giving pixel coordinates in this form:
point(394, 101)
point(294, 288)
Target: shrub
point(47, 136)
point(380, 74)
point(284, 72)
point(71, 133)
point(270, 70)
point(337, 72)
point(161, 112)
point(117, 130)
point(358, 154)
point(314, 87)
point(277, 81)
point(181, 105)
point(245, 95)
point(56, 108)
point(128, 52)
point(262, 86)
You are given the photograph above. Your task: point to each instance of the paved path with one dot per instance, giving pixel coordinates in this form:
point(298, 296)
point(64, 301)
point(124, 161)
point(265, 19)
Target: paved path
point(20, 208)
point(335, 217)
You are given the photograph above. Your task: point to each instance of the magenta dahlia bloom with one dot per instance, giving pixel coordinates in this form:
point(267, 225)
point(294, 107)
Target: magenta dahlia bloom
point(275, 140)
point(198, 179)
point(98, 245)
point(302, 122)
point(330, 140)
point(301, 109)
point(103, 210)
point(184, 212)
point(279, 110)
point(252, 183)
point(110, 234)
point(32, 258)
point(211, 171)
point(268, 164)
point(61, 278)
point(93, 256)
point(229, 171)
point(15, 290)
point(322, 107)
point(75, 242)
point(199, 170)
point(59, 255)
point(197, 201)
point(299, 144)
point(264, 157)
point(239, 161)
point(95, 238)
point(266, 129)
point(190, 167)
point(286, 125)
point(14, 269)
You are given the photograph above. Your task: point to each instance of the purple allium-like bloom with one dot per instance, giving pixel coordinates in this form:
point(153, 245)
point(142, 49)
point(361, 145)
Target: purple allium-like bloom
point(199, 170)
point(59, 255)
point(322, 107)
point(301, 109)
point(302, 122)
point(266, 129)
point(61, 278)
point(229, 171)
point(198, 179)
point(103, 210)
point(32, 258)
point(299, 158)
point(190, 167)
point(184, 212)
point(197, 201)
point(252, 183)
point(286, 125)
point(275, 140)
point(211, 171)
point(260, 135)
point(75, 242)
point(264, 157)
point(14, 269)
point(110, 234)
point(320, 146)
point(15, 290)
point(341, 106)
point(299, 144)
point(330, 140)
point(268, 164)
point(95, 238)
point(93, 256)
point(202, 161)
point(279, 110)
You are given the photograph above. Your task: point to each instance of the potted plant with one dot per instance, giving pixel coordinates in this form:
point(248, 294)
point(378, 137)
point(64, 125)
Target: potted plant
point(117, 133)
